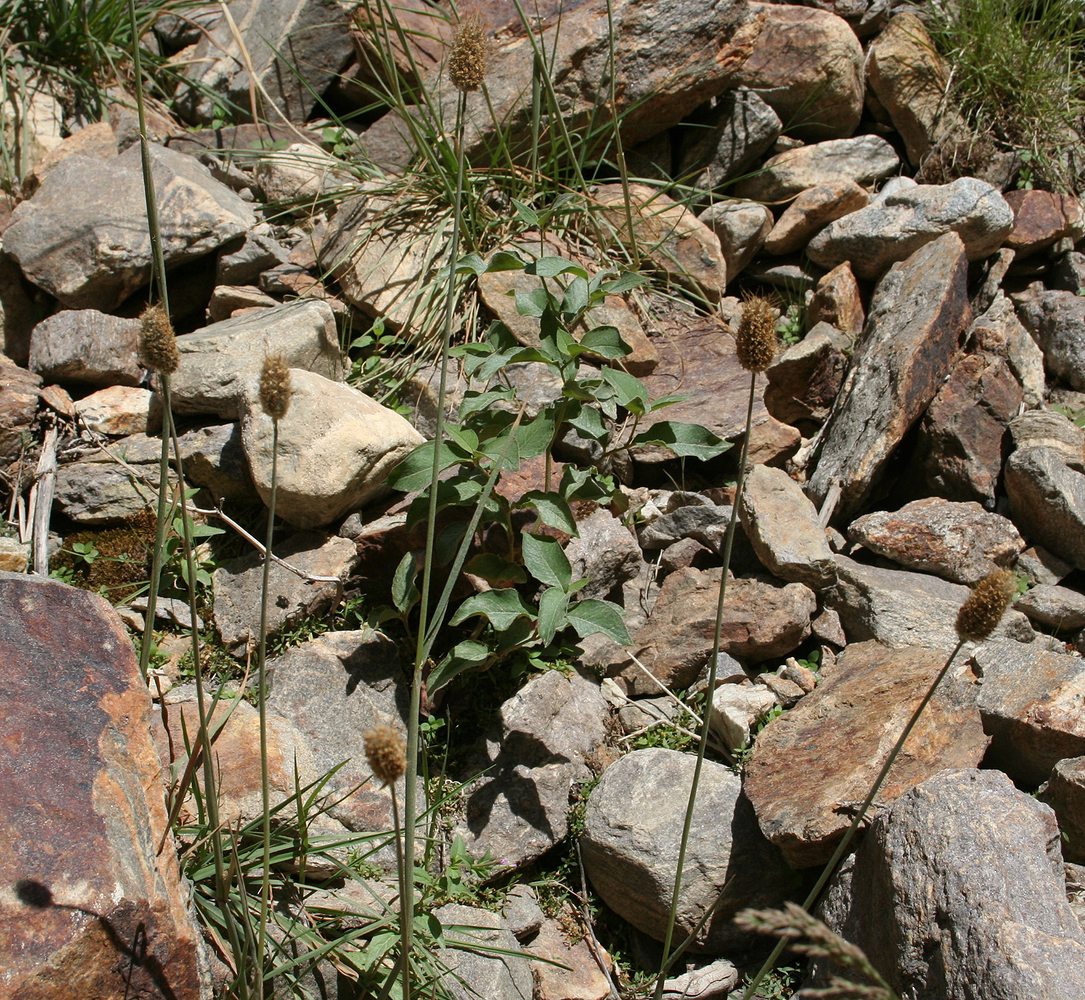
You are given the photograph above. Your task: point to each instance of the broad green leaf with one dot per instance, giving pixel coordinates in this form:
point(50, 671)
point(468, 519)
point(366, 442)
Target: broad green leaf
point(685, 440)
point(467, 655)
point(495, 570)
point(623, 283)
point(605, 342)
point(404, 591)
point(505, 261)
point(535, 436)
point(471, 263)
point(552, 509)
point(552, 605)
point(466, 438)
point(526, 213)
point(415, 471)
point(589, 422)
point(575, 298)
point(546, 561)
point(499, 607)
point(591, 616)
point(532, 303)
point(551, 267)
point(629, 391)
point(474, 401)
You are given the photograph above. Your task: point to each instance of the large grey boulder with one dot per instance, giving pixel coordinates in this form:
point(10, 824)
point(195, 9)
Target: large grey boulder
point(958, 892)
point(1055, 319)
point(738, 129)
point(86, 346)
point(481, 955)
point(83, 236)
point(632, 829)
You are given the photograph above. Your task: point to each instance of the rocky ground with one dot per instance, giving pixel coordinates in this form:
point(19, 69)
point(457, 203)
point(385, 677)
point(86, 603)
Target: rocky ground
point(921, 426)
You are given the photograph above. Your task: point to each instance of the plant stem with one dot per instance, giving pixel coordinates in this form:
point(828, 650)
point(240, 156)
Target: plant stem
point(717, 631)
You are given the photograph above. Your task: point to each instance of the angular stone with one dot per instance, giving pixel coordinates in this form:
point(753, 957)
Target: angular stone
point(20, 310)
point(576, 976)
point(1053, 430)
point(302, 174)
point(121, 410)
point(86, 346)
point(901, 608)
point(88, 908)
point(837, 301)
point(684, 515)
point(904, 216)
point(958, 541)
point(14, 555)
point(717, 979)
point(959, 891)
point(736, 709)
point(230, 300)
point(730, 139)
point(214, 459)
point(862, 160)
point(761, 620)
point(1059, 608)
point(1041, 218)
point(1055, 320)
point(630, 847)
point(1031, 701)
point(1047, 498)
point(1064, 791)
point(244, 265)
point(218, 361)
point(916, 319)
point(741, 227)
point(481, 957)
point(77, 239)
point(19, 390)
point(605, 553)
point(998, 331)
point(839, 736)
point(237, 585)
point(813, 209)
point(336, 447)
point(668, 234)
point(808, 66)
point(805, 380)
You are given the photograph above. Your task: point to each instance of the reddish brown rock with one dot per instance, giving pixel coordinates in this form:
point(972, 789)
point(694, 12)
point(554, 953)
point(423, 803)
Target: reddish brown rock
point(1042, 217)
point(19, 391)
point(813, 208)
point(815, 763)
point(87, 908)
point(761, 620)
point(806, 379)
point(576, 976)
point(837, 301)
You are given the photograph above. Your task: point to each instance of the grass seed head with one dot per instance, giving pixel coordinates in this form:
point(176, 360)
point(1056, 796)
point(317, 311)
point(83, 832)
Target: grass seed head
point(467, 60)
point(386, 753)
point(984, 607)
point(157, 341)
point(756, 337)
point(275, 388)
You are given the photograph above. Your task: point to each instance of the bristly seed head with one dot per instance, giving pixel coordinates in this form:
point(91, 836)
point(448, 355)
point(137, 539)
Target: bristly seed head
point(275, 388)
point(386, 752)
point(984, 607)
point(756, 337)
point(467, 60)
point(157, 341)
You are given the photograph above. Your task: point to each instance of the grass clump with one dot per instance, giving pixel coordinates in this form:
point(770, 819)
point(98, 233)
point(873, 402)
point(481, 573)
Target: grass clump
point(1018, 74)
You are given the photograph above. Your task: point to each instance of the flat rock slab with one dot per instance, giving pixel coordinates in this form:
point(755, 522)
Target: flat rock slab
point(1059, 608)
point(917, 315)
point(1033, 705)
point(838, 737)
point(762, 619)
point(1055, 318)
point(1047, 498)
point(87, 909)
point(959, 541)
point(632, 829)
point(83, 236)
point(959, 891)
point(482, 957)
point(86, 346)
point(903, 608)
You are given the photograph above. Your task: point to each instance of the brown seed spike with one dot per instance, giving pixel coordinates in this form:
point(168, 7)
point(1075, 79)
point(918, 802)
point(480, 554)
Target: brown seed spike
point(157, 341)
point(467, 60)
point(756, 337)
point(984, 607)
point(386, 753)
point(275, 388)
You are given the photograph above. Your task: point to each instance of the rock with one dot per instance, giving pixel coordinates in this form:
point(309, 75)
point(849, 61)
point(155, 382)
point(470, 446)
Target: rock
point(229, 300)
point(761, 620)
point(214, 459)
point(839, 737)
point(1055, 319)
point(1068, 274)
point(905, 216)
point(1064, 791)
point(20, 310)
point(14, 555)
point(1040, 566)
point(684, 515)
point(83, 812)
point(31, 125)
point(237, 584)
point(958, 541)
point(1047, 498)
point(910, 81)
point(576, 976)
point(605, 553)
point(862, 160)
point(901, 608)
point(87, 346)
point(1031, 701)
point(630, 843)
point(811, 210)
point(805, 380)
point(522, 913)
point(916, 318)
point(736, 709)
point(668, 234)
point(1059, 608)
point(301, 175)
point(1052, 430)
point(218, 361)
point(336, 447)
point(1041, 218)
point(741, 227)
point(782, 525)
point(998, 331)
point(244, 265)
point(518, 809)
point(19, 390)
point(121, 410)
point(837, 302)
point(75, 238)
point(481, 957)
point(808, 66)
point(958, 891)
point(697, 361)
point(715, 980)
point(333, 689)
point(739, 128)
point(293, 51)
